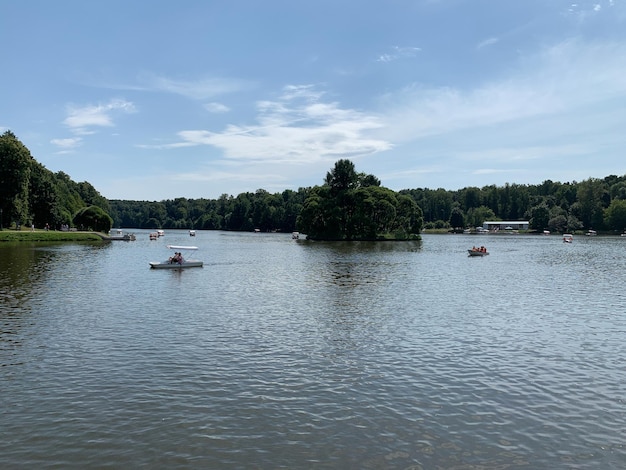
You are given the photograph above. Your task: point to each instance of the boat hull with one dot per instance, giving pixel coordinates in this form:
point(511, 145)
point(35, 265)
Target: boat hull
point(168, 265)
point(477, 253)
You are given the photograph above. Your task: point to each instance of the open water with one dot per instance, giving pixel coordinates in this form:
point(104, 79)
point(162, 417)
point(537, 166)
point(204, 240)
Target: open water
point(293, 354)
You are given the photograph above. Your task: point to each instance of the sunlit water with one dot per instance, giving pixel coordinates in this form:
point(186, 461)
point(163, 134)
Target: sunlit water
point(293, 354)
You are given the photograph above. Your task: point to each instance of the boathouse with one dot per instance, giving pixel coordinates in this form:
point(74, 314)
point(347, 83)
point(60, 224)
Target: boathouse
point(506, 225)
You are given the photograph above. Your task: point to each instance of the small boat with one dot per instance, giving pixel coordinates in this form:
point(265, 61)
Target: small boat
point(192, 233)
point(591, 233)
point(160, 233)
point(120, 235)
point(295, 235)
point(568, 238)
point(178, 261)
point(154, 235)
point(482, 251)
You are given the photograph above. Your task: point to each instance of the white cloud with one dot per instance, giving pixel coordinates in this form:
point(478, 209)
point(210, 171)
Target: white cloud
point(562, 79)
point(81, 118)
point(487, 42)
point(200, 89)
point(297, 127)
point(69, 143)
point(398, 52)
point(216, 108)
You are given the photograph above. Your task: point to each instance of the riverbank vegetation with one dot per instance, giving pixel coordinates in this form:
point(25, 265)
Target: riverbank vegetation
point(31, 194)
point(48, 236)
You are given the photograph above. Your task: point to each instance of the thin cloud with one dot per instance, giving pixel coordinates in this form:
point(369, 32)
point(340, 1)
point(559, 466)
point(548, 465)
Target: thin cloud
point(399, 53)
point(487, 42)
point(200, 89)
point(79, 119)
point(216, 108)
point(69, 143)
point(561, 79)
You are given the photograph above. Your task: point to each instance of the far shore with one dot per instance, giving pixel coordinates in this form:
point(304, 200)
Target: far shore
point(28, 235)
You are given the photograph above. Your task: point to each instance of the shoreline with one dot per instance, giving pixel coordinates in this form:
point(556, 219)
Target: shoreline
point(50, 236)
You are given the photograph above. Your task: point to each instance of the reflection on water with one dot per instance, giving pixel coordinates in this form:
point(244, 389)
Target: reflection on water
point(282, 353)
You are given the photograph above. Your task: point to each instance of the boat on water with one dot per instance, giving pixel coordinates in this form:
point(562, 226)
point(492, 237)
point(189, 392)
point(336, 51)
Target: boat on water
point(295, 235)
point(568, 238)
point(591, 233)
point(192, 233)
point(120, 235)
point(160, 233)
point(154, 235)
point(478, 251)
point(178, 260)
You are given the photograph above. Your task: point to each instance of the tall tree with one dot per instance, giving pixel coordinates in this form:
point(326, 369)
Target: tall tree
point(15, 168)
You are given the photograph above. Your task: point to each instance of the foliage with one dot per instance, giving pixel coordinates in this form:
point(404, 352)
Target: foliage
point(615, 215)
point(32, 194)
point(93, 218)
point(353, 206)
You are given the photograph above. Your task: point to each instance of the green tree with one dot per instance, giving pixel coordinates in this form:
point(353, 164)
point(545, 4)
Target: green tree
point(15, 170)
point(539, 217)
point(615, 215)
point(342, 177)
point(457, 218)
point(345, 209)
point(93, 218)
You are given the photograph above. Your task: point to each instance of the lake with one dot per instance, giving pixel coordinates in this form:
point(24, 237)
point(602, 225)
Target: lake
point(282, 353)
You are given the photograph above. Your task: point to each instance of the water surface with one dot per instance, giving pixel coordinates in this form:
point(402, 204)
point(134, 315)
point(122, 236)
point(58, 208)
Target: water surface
point(293, 354)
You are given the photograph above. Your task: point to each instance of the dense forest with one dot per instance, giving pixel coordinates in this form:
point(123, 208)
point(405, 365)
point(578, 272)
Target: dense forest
point(598, 204)
point(29, 193)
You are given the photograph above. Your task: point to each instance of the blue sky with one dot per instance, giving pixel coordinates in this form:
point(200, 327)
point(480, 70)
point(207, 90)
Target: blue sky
point(158, 100)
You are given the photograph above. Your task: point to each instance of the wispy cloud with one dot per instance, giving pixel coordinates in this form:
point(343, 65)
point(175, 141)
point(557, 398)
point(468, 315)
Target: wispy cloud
point(296, 127)
point(80, 119)
point(67, 144)
point(217, 108)
point(397, 53)
point(561, 79)
point(487, 42)
point(197, 89)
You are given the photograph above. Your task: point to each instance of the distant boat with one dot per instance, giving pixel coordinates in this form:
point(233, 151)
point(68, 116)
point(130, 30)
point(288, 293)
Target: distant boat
point(295, 235)
point(482, 251)
point(591, 233)
point(568, 238)
point(192, 233)
point(120, 235)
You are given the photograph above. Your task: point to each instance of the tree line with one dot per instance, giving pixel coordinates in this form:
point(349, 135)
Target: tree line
point(29, 193)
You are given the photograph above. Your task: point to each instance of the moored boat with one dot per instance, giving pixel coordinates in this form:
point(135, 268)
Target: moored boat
point(120, 235)
point(568, 238)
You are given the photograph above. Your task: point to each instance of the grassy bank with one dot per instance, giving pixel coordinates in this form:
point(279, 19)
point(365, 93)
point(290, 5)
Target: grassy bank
point(48, 236)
